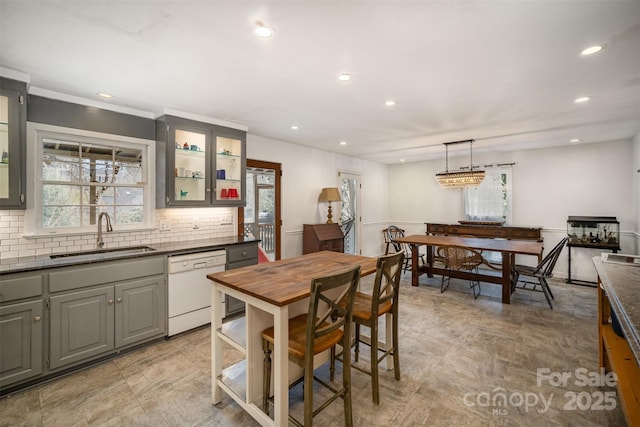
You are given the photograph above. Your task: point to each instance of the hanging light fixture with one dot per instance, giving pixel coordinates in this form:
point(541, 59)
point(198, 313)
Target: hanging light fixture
point(460, 178)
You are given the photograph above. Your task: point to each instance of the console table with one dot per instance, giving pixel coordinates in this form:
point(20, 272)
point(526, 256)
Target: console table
point(479, 229)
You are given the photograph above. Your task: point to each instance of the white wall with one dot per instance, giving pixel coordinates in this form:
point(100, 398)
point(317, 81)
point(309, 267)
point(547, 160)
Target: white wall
point(548, 186)
point(305, 171)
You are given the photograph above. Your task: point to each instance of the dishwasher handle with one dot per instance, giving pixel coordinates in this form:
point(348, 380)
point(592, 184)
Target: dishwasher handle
point(199, 265)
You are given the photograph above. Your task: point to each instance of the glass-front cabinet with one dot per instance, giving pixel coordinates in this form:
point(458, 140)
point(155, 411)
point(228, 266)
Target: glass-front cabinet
point(199, 164)
point(13, 116)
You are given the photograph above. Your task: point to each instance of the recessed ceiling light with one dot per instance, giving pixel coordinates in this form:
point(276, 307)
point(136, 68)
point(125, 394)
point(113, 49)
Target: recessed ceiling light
point(390, 103)
point(402, 160)
point(591, 50)
point(294, 127)
point(104, 95)
point(345, 77)
point(262, 30)
point(343, 142)
point(581, 99)
point(574, 140)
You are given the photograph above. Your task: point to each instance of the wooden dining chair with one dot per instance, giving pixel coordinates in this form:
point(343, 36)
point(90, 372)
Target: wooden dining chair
point(539, 273)
point(392, 233)
point(458, 258)
point(367, 310)
point(327, 323)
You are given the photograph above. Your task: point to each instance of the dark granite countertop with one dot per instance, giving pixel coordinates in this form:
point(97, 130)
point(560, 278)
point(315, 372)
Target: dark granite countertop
point(16, 265)
point(622, 285)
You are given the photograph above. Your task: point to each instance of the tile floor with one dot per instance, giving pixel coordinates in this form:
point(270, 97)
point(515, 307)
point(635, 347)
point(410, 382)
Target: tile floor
point(459, 358)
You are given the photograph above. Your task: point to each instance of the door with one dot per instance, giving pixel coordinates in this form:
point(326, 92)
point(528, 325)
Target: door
point(350, 214)
point(20, 341)
point(261, 216)
point(81, 325)
point(138, 310)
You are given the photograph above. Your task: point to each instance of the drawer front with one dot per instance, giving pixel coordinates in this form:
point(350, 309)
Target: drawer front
point(331, 245)
point(242, 252)
point(239, 264)
point(14, 287)
point(104, 272)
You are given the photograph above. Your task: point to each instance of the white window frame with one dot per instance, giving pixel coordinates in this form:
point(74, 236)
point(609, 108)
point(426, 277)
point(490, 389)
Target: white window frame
point(487, 185)
point(36, 132)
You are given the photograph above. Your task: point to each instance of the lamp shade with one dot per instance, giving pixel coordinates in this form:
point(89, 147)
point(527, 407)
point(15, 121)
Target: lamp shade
point(329, 195)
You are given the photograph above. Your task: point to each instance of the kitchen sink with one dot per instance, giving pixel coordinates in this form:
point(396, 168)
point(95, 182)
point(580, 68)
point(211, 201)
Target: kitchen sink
point(102, 253)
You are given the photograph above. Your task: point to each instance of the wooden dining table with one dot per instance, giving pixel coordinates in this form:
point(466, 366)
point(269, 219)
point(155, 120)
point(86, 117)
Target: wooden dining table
point(508, 248)
point(273, 293)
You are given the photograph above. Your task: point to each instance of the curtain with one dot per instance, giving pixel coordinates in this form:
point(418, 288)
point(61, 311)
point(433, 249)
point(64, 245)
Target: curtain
point(491, 200)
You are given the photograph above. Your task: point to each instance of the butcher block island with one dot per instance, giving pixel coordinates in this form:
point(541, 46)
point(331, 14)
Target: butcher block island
point(273, 293)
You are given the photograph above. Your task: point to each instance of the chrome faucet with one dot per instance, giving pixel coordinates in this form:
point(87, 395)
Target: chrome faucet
point(99, 242)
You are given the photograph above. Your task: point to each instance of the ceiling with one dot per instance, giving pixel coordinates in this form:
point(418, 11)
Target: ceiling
point(504, 73)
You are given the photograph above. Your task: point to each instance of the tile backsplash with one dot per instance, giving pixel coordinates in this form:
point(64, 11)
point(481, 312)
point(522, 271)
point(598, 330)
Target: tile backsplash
point(179, 225)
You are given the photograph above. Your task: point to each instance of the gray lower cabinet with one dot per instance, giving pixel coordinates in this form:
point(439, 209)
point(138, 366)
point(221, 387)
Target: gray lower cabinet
point(21, 327)
point(82, 325)
point(238, 256)
point(89, 323)
point(140, 310)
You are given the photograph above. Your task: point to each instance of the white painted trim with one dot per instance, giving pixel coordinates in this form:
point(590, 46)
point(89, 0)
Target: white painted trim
point(15, 75)
point(33, 228)
point(46, 93)
point(204, 119)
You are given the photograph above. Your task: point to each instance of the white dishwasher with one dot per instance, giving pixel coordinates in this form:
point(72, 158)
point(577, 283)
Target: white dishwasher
point(190, 290)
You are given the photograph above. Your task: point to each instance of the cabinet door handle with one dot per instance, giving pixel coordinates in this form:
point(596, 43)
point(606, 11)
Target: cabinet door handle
point(244, 253)
point(37, 318)
point(109, 301)
point(119, 299)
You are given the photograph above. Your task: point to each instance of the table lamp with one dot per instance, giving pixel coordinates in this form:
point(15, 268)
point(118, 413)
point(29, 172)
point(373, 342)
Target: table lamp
point(329, 195)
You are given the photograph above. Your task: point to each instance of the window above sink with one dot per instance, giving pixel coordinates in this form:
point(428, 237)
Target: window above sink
point(75, 175)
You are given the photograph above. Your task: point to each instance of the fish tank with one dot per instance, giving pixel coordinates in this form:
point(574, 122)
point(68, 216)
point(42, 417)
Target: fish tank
point(601, 232)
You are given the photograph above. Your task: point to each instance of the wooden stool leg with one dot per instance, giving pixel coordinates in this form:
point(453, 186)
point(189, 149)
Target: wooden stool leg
point(266, 376)
point(357, 343)
point(332, 366)
point(374, 362)
point(396, 346)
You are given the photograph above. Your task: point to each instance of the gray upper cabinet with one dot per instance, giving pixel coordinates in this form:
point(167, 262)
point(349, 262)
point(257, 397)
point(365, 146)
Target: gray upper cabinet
point(13, 119)
point(199, 164)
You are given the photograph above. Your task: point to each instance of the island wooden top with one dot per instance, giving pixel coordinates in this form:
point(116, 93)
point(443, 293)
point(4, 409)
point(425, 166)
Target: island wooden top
point(289, 280)
point(526, 247)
